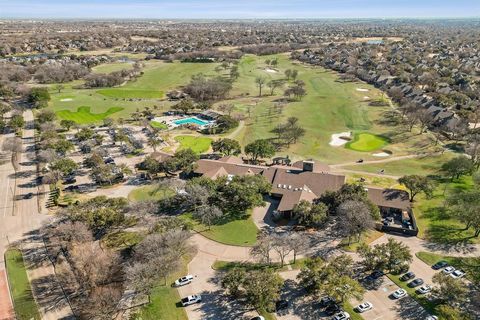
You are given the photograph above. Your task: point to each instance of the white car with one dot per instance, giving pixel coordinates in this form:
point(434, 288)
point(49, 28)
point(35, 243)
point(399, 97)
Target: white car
point(424, 289)
point(400, 293)
point(258, 318)
point(364, 307)
point(448, 270)
point(457, 274)
point(191, 300)
point(342, 315)
point(183, 280)
point(431, 318)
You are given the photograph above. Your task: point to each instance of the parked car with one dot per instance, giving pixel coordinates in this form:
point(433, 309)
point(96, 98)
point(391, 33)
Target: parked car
point(29, 195)
point(407, 276)
point(439, 265)
point(424, 289)
point(364, 307)
point(326, 301)
point(448, 270)
point(258, 318)
point(183, 280)
point(359, 160)
point(457, 274)
point(374, 275)
point(332, 309)
point(196, 298)
point(342, 315)
point(431, 318)
point(415, 283)
point(400, 293)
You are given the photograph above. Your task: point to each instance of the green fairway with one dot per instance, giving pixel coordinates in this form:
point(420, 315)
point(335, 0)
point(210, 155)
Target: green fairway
point(150, 192)
point(83, 115)
point(366, 142)
point(130, 93)
point(238, 232)
point(21, 291)
point(158, 125)
point(197, 144)
point(112, 67)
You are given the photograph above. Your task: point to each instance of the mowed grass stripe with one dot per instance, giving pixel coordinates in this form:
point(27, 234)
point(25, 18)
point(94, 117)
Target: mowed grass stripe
point(84, 116)
point(21, 291)
point(130, 93)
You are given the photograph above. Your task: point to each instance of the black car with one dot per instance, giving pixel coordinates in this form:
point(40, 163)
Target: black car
point(439, 265)
point(29, 195)
point(374, 275)
point(281, 305)
point(326, 301)
point(332, 309)
point(415, 283)
point(407, 276)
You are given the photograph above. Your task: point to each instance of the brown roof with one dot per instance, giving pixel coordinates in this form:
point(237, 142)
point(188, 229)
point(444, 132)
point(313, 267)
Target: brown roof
point(291, 197)
point(317, 166)
point(390, 198)
point(209, 168)
point(160, 156)
point(231, 159)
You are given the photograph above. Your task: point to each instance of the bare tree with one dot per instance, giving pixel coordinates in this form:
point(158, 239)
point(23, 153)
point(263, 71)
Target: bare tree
point(261, 250)
point(260, 82)
point(299, 244)
point(281, 245)
point(208, 214)
point(354, 218)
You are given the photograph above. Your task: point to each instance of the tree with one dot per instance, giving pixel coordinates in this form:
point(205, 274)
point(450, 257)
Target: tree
point(67, 124)
point(355, 218)
point(457, 167)
point(416, 184)
point(310, 215)
point(274, 84)
point(39, 97)
point(261, 148)
point(182, 160)
point(65, 165)
point(294, 74)
point(46, 116)
point(233, 280)
point(299, 243)
point(184, 106)
point(465, 205)
point(59, 87)
point(261, 249)
point(154, 142)
point(281, 245)
point(16, 122)
point(288, 73)
point(449, 313)
point(241, 192)
point(262, 288)
point(62, 146)
point(392, 256)
point(448, 290)
point(260, 82)
point(208, 214)
point(227, 146)
point(84, 134)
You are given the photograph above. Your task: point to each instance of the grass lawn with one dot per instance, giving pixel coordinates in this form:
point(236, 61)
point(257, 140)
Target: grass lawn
point(150, 192)
point(367, 237)
point(353, 314)
point(121, 239)
point(158, 125)
point(165, 301)
point(435, 222)
point(470, 265)
point(365, 142)
point(112, 67)
point(237, 232)
point(23, 301)
point(123, 93)
point(197, 144)
point(83, 115)
point(426, 165)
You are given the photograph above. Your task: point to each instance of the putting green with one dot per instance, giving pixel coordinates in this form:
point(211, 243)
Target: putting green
point(83, 115)
point(158, 125)
point(366, 142)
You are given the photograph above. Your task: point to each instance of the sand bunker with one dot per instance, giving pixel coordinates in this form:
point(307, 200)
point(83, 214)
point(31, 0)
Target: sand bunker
point(271, 70)
point(337, 140)
point(381, 154)
point(66, 100)
point(362, 90)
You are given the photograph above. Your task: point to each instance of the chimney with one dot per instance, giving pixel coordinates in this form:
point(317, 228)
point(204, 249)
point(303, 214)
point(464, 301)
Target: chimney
point(308, 165)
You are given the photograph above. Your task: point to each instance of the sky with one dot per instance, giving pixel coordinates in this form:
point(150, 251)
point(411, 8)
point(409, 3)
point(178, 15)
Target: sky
point(238, 9)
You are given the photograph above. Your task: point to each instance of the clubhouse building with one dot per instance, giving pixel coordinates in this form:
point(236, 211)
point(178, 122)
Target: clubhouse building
point(308, 180)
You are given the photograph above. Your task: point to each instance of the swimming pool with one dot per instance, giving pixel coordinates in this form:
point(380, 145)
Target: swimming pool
point(190, 120)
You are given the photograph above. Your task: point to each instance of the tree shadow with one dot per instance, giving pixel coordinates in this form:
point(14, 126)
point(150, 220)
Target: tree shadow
point(409, 309)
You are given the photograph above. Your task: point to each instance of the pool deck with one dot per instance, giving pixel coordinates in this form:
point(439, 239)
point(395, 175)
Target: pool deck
point(170, 121)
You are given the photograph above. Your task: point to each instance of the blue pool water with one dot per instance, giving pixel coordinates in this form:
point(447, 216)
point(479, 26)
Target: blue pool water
point(190, 120)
